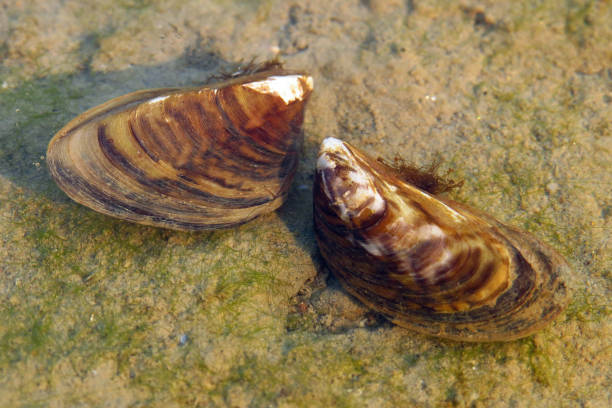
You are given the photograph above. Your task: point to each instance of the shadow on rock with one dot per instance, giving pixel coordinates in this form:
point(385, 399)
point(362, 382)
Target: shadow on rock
point(296, 212)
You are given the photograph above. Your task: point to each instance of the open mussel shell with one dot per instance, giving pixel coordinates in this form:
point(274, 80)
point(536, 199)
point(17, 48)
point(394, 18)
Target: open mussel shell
point(186, 158)
point(426, 262)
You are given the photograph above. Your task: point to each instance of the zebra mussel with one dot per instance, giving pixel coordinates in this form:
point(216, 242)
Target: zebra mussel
point(187, 158)
point(427, 262)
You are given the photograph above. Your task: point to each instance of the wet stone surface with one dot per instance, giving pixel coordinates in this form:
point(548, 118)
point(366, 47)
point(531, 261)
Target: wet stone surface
point(516, 97)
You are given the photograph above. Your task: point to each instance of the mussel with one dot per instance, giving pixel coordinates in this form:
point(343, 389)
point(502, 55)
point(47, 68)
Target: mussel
point(187, 158)
point(427, 262)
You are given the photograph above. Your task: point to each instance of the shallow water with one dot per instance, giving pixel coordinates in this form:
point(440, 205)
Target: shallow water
point(514, 96)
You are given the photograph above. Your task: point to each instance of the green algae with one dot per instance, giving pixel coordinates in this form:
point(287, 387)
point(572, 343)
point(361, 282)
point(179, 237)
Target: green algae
point(586, 307)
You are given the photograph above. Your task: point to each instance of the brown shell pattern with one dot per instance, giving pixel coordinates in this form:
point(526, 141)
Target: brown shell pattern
point(428, 263)
point(186, 158)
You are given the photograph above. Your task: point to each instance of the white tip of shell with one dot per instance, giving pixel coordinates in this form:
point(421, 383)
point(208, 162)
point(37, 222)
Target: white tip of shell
point(288, 87)
point(158, 99)
point(352, 186)
point(331, 144)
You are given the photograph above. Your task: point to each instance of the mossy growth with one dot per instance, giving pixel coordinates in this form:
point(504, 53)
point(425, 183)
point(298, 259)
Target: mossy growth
point(587, 307)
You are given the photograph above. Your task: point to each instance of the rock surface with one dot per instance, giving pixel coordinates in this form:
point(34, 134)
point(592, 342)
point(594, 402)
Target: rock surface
point(516, 97)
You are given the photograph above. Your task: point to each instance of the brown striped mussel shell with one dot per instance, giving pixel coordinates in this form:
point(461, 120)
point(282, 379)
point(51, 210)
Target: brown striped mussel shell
point(186, 158)
point(426, 262)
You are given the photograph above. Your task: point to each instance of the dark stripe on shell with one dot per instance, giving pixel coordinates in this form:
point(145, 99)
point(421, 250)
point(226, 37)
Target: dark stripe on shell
point(167, 186)
point(114, 156)
point(253, 141)
point(148, 152)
